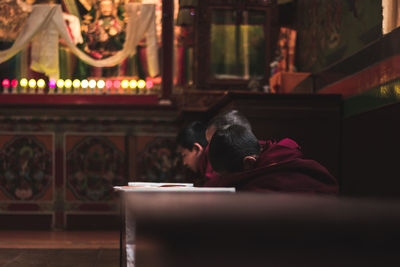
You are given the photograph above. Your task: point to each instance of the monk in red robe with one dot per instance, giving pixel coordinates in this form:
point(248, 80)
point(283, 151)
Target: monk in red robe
point(236, 154)
point(193, 143)
point(219, 122)
point(207, 172)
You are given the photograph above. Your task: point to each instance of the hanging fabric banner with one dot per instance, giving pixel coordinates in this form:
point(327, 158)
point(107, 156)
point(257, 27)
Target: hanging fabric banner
point(46, 23)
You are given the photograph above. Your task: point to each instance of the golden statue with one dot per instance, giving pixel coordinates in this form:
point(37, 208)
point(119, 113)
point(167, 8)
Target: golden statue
point(104, 35)
point(13, 15)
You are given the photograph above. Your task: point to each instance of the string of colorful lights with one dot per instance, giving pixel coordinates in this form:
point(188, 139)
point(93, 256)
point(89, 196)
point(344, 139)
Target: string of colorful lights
point(66, 86)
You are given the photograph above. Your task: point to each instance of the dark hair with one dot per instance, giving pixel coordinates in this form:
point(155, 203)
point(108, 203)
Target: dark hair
point(195, 132)
point(228, 118)
point(230, 146)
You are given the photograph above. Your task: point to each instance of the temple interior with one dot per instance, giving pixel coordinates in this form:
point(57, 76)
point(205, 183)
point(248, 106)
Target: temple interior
point(93, 95)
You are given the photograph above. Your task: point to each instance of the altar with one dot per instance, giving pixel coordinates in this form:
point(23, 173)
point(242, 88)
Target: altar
point(82, 88)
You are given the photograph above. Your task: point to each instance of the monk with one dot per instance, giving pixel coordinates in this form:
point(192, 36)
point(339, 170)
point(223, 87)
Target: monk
point(224, 120)
point(236, 154)
point(192, 142)
point(221, 122)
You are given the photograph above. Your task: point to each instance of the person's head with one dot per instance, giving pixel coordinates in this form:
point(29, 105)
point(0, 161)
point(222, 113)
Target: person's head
point(234, 149)
point(224, 120)
point(106, 7)
point(191, 142)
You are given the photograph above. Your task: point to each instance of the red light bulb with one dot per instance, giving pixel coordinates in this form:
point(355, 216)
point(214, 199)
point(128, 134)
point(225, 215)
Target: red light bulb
point(6, 83)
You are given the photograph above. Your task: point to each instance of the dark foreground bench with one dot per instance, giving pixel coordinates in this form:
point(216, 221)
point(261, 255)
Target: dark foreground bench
point(181, 230)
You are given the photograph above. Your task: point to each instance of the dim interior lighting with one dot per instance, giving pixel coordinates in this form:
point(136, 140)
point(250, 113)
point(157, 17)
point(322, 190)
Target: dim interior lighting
point(41, 83)
point(23, 82)
point(14, 83)
point(125, 84)
point(141, 84)
point(68, 83)
point(76, 83)
point(397, 89)
point(32, 83)
point(133, 84)
point(109, 84)
point(6, 83)
point(149, 84)
point(116, 84)
point(60, 83)
point(101, 84)
point(84, 83)
point(92, 84)
point(52, 83)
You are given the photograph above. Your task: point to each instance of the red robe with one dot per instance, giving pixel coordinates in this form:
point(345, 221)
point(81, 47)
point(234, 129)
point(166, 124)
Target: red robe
point(206, 170)
point(281, 167)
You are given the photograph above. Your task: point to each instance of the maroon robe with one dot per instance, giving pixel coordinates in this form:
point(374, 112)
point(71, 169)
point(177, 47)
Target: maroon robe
point(281, 167)
point(206, 170)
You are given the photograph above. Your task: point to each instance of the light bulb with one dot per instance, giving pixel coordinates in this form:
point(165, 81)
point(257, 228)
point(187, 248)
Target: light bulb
point(60, 83)
point(84, 83)
point(32, 83)
point(92, 84)
point(133, 84)
point(68, 83)
point(101, 84)
point(141, 84)
point(23, 82)
point(41, 83)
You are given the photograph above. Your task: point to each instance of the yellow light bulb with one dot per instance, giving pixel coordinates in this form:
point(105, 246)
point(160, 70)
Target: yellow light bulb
point(141, 84)
point(76, 83)
point(41, 83)
point(23, 82)
point(68, 83)
point(133, 84)
point(32, 83)
point(125, 84)
point(60, 83)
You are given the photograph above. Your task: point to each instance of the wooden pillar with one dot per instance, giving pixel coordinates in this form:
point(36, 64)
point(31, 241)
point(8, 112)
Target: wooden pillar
point(167, 47)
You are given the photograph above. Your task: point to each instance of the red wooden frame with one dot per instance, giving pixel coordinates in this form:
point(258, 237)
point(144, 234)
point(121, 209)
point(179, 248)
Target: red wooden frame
point(167, 47)
point(108, 100)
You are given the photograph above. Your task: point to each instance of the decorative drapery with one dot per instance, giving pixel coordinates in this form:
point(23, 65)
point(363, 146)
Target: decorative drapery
point(391, 15)
point(46, 24)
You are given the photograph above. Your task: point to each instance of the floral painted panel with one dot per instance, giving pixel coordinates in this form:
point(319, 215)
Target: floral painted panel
point(159, 161)
point(94, 164)
point(26, 167)
point(329, 31)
